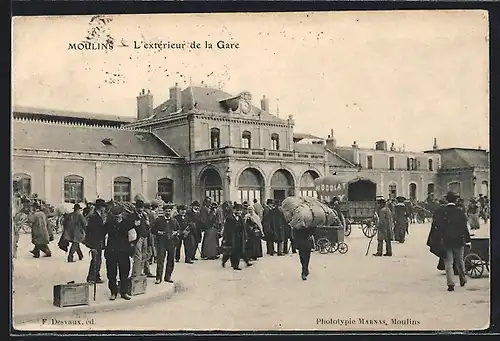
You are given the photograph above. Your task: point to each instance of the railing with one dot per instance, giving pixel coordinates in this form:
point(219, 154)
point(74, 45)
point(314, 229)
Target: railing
point(258, 154)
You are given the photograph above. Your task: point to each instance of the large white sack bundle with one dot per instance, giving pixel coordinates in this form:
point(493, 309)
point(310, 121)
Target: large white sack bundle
point(64, 208)
point(303, 212)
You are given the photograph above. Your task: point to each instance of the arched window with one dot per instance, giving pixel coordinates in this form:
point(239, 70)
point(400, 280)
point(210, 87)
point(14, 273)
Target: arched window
point(431, 165)
point(73, 188)
point(21, 184)
point(430, 189)
point(484, 188)
point(214, 138)
point(275, 141)
point(166, 189)
point(393, 191)
point(122, 187)
point(455, 187)
point(246, 140)
point(391, 163)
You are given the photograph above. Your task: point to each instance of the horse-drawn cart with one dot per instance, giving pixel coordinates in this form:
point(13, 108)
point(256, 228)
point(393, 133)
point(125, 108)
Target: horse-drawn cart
point(357, 200)
point(477, 257)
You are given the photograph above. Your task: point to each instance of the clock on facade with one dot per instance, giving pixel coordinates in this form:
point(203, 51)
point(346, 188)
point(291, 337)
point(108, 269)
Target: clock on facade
point(245, 107)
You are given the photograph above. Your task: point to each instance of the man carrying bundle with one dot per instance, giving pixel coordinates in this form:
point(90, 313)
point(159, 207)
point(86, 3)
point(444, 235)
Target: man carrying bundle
point(384, 227)
point(303, 239)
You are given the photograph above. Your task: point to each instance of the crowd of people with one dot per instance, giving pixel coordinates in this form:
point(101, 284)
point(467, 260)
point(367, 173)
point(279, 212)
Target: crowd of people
point(131, 238)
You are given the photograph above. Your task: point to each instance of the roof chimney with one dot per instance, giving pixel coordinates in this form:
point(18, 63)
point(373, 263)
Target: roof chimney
point(435, 146)
point(264, 103)
point(144, 105)
point(176, 97)
point(354, 145)
point(331, 143)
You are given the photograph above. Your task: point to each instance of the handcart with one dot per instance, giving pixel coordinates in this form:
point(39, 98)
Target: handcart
point(477, 257)
point(329, 239)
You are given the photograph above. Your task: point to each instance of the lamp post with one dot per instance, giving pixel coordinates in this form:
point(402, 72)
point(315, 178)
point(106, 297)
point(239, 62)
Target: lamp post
point(228, 177)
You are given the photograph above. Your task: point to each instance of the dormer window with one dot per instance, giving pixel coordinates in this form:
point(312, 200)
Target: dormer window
point(107, 142)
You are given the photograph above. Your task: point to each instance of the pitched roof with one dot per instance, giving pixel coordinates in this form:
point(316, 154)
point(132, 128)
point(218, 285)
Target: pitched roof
point(20, 111)
point(453, 158)
point(73, 138)
point(301, 136)
point(207, 99)
point(333, 158)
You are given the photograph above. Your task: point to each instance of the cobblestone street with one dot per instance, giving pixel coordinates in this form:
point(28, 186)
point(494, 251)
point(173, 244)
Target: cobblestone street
point(272, 296)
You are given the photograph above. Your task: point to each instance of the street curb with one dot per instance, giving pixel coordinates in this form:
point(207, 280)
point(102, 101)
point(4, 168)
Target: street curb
point(137, 301)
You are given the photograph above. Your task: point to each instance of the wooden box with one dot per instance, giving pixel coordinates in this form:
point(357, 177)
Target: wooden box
point(137, 285)
point(71, 294)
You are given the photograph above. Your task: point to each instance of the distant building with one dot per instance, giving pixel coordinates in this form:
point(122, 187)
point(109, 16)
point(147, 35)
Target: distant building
point(203, 142)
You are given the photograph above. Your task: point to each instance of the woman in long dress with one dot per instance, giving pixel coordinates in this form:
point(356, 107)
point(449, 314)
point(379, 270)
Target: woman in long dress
point(210, 243)
point(254, 231)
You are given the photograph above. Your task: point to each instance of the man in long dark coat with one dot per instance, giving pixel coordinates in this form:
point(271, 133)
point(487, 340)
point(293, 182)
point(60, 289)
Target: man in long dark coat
point(401, 216)
point(196, 216)
point(166, 230)
point(235, 238)
point(274, 229)
point(384, 227)
point(186, 235)
point(453, 231)
point(75, 226)
point(95, 240)
point(41, 234)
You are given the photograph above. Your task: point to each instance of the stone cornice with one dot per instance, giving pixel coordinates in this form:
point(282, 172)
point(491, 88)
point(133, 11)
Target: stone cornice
point(75, 124)
point(94, 156)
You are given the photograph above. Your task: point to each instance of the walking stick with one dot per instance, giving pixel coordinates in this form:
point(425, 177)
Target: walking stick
point(369, 244)
point(95, 274)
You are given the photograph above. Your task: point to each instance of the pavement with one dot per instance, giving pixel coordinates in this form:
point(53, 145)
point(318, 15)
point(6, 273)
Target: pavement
point(342, 293)
point(34, 279)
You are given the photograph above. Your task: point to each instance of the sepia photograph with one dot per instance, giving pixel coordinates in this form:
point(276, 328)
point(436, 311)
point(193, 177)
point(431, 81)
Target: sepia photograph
point(301, 171)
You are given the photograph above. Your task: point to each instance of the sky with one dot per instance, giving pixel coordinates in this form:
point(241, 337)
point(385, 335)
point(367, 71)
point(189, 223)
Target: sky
point(406, 77)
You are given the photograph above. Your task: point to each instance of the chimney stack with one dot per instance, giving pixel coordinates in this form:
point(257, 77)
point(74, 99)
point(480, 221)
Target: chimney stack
point(144, 105)
point(393, 148)
point(354, 145)
point(264, 103)
point(331, 143)
point(435, 146)
point(176, 96)
point(381, 145)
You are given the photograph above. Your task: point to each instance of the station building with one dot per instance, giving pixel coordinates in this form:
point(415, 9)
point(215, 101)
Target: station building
point(203, 142)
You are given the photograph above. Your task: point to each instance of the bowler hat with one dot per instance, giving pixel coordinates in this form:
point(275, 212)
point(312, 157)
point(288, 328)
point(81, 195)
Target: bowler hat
point(195, 203)
point(214, 205)
point(237, 206)
point(100, 203)
point(168, 207)
point(77, 207)
point(139, 204)
point(451, 197)
point(269, 201)
point(117, 210)
point(182, 207)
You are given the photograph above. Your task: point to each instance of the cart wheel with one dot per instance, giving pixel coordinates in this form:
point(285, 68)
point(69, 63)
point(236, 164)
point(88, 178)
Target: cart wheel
point(323, 245)
point(333, 248)
point(369, 229)
point(348, 228)
point(474, 265)
point(343, 248)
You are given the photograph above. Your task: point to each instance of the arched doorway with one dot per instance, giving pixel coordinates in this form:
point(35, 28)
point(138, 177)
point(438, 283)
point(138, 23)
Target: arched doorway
point(211, 185)
point(413, 191)
point(362, 190)
point(307, 188)
point(282, 185)
point(250, 185)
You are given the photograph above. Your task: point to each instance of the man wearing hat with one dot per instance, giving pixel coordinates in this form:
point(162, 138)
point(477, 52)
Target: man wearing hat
point(195, 216)
point(452, 229)
point(401, 216)
point(118, 250)
point(234, 237)
point(141, 223)
point(274, 224)
point(95, 239)
point(384, 228)
point(186, 237)
point(74, 232)
point(40, 232)
point(166, 231)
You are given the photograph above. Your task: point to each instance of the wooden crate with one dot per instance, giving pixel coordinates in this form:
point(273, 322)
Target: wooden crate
point(71, 294)
point(137, 285)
